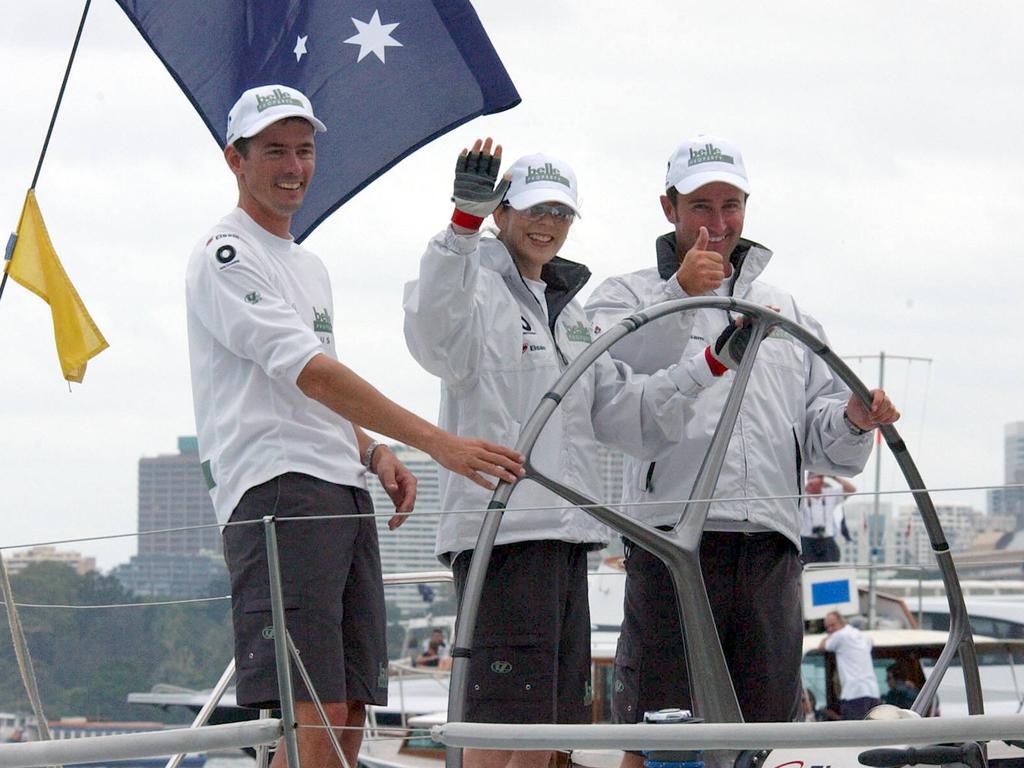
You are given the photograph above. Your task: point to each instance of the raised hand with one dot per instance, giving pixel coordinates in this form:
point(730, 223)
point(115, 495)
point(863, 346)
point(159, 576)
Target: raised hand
point(474, 192)
point(701, 270)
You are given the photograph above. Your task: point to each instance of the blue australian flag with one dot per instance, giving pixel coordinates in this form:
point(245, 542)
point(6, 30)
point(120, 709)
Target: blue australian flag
point(385, 76)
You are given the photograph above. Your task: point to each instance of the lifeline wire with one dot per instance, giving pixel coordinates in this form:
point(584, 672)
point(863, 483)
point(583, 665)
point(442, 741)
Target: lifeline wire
point(615, 504)
point(1010, 559)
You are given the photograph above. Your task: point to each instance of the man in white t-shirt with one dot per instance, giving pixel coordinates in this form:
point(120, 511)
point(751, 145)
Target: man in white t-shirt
point(856, 671)
point(279, 422)
point(821, 520)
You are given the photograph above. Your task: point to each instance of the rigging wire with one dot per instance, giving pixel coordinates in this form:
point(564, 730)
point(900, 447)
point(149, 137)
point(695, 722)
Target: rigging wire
point(482, 510)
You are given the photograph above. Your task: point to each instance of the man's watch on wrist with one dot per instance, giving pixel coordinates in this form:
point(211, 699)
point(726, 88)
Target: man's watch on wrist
point(368, 453)
point(854, 429)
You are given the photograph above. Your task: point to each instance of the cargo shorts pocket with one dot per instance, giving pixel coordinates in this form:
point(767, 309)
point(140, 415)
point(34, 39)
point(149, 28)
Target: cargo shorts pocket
point(254, 631)
point(626, 684)
point(515, 668)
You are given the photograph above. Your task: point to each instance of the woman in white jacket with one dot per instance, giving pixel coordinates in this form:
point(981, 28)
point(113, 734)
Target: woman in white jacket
point(496, 320)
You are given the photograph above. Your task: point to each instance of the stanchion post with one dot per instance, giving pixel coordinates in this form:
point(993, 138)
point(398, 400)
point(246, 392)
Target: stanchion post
point(284, 668)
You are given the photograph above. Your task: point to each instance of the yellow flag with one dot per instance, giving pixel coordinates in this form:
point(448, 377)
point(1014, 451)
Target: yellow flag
point(34, 264)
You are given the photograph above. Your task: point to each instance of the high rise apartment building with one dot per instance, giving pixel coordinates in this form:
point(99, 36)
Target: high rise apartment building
point(1013, 452)
point(1008, 502)
point(184, 559)
point(173, 495)
point(410, 547)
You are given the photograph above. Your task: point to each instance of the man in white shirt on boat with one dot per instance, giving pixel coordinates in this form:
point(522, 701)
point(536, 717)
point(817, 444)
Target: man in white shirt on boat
point(823, 520)
point(280, 423)
point(858, 683)
point(796, 415)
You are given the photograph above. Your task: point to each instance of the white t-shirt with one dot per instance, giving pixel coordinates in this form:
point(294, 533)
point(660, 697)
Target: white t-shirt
point(853, 658)
point(259, 309)
point(821, 511)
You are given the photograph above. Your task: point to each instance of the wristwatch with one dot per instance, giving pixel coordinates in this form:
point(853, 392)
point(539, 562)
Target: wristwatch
point(854, 429)
point(368, 453)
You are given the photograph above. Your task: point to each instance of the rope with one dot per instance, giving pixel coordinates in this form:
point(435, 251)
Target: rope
point(21, 652)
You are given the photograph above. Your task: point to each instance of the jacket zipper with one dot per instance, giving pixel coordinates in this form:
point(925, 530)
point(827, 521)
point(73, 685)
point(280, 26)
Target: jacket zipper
point(649, 480)
point(551, 333)
point(799, 464)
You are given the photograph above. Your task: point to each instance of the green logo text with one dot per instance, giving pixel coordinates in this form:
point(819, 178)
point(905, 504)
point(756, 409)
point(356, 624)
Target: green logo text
point(578, 332)
point(708, 154)
point(276, 99)
point(322, 322)
point(547, 173)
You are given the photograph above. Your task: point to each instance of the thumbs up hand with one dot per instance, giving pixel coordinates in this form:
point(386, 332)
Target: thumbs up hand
point(702, 270)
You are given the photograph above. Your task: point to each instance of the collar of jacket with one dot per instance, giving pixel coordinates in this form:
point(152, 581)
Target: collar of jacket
point(564, 278)
point(748, 261)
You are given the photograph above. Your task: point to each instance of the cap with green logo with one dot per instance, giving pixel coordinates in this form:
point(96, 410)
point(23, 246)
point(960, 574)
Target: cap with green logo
point(259, 107)
point(705, 159)
point(542, 179)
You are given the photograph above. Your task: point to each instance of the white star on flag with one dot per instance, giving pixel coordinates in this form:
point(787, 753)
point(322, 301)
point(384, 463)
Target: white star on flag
point(300, 47)
point(373, 37)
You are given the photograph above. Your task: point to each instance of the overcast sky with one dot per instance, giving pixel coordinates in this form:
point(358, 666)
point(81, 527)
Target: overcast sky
point(882, 141)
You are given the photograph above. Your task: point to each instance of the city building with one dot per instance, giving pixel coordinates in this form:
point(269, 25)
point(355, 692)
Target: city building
point(164, 575)
point(609, 463)
point(179, 540)
point(174, 498)
point(18, 561)
point(1007, 503)
point(411, 547)
point(1006, 507)
point(1013, 452)
point(900, 538)
point(960, 523)
point(861, 522)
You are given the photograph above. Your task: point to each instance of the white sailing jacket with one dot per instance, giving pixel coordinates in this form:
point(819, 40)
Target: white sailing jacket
point(471, 320)
point(792, 413)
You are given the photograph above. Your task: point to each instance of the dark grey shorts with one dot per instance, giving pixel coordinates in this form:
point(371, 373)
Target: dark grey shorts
point(819, 549)
point(753, 584)
point(531, 648)
point(333, 592)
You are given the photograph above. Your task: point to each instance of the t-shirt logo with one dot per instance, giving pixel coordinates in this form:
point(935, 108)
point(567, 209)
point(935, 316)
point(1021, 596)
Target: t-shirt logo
point(322, 321)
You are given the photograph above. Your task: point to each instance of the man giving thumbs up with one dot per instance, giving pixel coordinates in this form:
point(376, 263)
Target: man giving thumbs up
point(796, 416)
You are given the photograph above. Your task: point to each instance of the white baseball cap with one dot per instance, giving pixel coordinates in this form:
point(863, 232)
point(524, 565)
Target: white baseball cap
point(705, 159)
point(542, 179)
point(259, 107)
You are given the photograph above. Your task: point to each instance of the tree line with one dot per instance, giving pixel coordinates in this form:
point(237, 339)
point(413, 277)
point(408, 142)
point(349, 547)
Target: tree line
point(87, 661)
